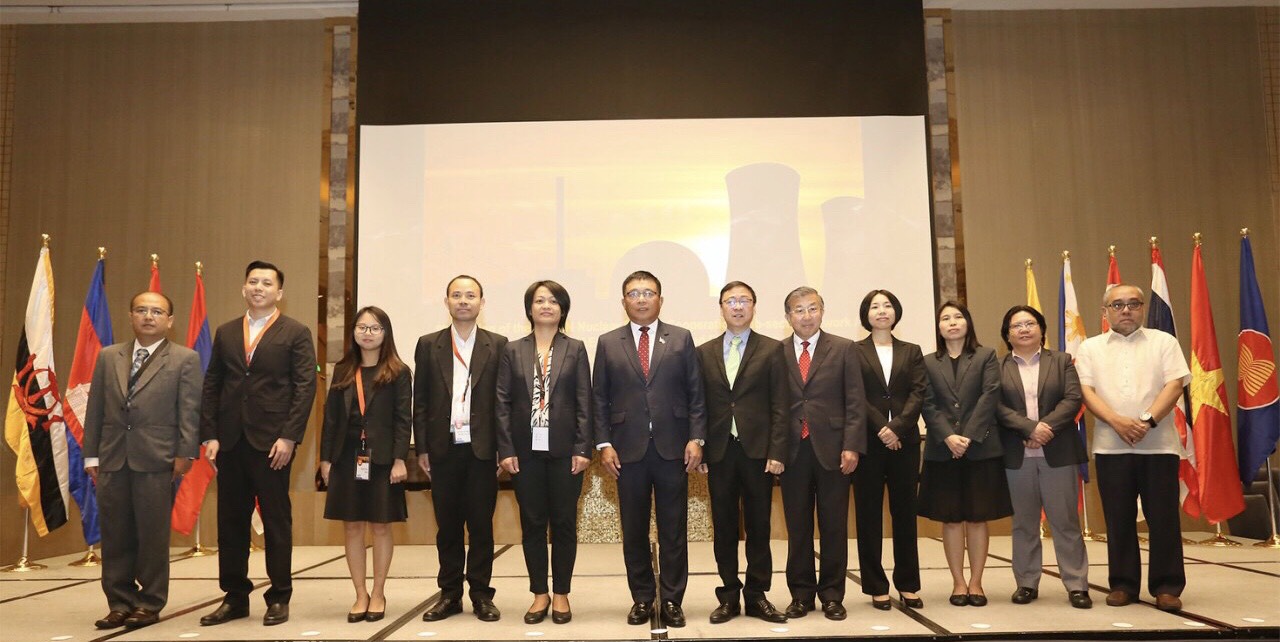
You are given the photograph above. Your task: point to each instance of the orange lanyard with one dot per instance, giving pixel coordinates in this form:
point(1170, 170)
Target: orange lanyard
point(457, 354)
point(251, 346)
point(546, 369)
point(360, 400)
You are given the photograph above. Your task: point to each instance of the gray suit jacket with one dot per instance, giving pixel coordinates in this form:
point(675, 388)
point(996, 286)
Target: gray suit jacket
point(1059, 400)
point(161, 422)
point(962, 403)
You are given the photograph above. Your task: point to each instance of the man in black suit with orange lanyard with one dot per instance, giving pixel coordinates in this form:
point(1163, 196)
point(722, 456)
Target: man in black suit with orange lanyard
point(258, 394)
point(747, 441)
point(650, 425)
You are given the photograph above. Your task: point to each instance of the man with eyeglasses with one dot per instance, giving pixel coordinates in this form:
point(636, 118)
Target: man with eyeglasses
point(650, 426)
point(455, 383)
point(1131, 378)
point(747, 403)
point(828, 433)
point(141, 432)
point(258, 394)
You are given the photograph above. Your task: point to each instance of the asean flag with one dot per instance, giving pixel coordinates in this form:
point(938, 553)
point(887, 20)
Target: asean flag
point(1257, 410)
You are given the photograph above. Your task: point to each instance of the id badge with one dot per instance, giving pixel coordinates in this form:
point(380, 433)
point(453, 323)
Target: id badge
point(462, 432)
point(541, 439)
point(362, 467)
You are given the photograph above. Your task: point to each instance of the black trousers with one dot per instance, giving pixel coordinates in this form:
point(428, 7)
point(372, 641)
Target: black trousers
point(806, 485)
point(136, 509)
point(1122, 479)
point(738, 478)
point(548, 494)
point(639, 484)
point(464, 492)
point(244, 473)
point(899, 472)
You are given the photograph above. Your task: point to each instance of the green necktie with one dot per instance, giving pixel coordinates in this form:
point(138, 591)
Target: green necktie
point(731, 364)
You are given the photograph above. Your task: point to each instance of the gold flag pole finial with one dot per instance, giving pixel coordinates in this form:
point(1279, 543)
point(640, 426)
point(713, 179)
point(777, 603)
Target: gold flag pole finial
point(1066, 255)
point(155, 260)
point(44, 240)
point(1244, 232)
point(1197, 238)
point(199, 268)
point(102, 253)
point(1111, 251)
point(1154, 241)
point(1028, 262)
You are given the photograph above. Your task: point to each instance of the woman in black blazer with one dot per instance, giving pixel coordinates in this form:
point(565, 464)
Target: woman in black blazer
point(963, 483)
point(367, 421)
point(894, 378)
point(544, 428)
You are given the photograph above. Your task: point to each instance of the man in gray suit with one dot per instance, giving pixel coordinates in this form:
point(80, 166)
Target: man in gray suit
point(141, 432)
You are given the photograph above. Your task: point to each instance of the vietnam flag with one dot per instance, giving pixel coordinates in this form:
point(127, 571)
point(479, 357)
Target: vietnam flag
point(1220, 492)
point(191, 492)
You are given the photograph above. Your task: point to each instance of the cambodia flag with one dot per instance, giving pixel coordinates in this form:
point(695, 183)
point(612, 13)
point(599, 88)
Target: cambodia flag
point(1160, 317)
point(95, 332)
point(191, 491)
point(1257, 410)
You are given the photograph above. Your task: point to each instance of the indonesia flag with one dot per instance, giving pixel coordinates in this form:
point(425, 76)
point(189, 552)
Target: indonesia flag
point(191, 491)
point(1160, 317)
point(95, 332)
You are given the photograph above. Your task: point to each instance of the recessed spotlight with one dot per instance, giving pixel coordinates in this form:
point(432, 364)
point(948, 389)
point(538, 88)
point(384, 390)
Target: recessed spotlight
point(980, 625)
point(1122, 625)
point(879, 627)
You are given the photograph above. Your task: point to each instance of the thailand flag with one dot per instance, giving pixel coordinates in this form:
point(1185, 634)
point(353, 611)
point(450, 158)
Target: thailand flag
point(1160, 317)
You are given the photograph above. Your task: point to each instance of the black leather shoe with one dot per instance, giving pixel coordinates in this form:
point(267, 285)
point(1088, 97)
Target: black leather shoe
point(672, 614)
point(486, 610)
point(977, 600)
point(913, 602)
point(640, 613)
point(224, 613)
point(141, 617)
point(1080, 599)
point(561, 617)
point(277, 613)
point(959, 600)
point(884, 605)
point(834, 610)
point(536, 617)
point(114, 620)
point(725, 612)
point(799, 608)
point(352, 618)
point(444, 608)
point(1025, 595)
point(764, 609)
point(374, 616)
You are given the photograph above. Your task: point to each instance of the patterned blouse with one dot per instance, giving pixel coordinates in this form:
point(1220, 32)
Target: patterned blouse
point(541, 415)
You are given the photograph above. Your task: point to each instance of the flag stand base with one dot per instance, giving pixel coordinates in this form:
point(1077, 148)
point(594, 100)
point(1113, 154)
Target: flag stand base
point(1090, 536)
point(23, 566)
point(90, 559)
point(199, 551)
point(254, 548)
point(1271, 542)
point(1219, 541)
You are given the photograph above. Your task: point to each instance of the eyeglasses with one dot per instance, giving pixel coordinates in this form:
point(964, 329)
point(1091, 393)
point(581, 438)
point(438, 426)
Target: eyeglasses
point(811, 310)
point(636, 295)
point(741, 301)
point(1120, 306)
point(368, 329)
point(1024, 325)
point(150, 312)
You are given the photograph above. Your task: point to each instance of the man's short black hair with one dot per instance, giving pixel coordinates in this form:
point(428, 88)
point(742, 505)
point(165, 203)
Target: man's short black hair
point(263, 265)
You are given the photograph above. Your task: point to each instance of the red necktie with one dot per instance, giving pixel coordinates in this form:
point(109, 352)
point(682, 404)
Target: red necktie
point(804, 377)
point(644, 351)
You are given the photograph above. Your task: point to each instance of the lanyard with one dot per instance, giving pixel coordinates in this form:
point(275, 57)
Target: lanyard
point(457, 354)
point(251, 346)
point(360, 400)
point(545, 374)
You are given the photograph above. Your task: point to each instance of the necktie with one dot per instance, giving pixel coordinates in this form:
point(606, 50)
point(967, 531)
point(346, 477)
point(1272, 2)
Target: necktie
point(804, 377)
point(139, 358)
point(731, 364)
point(644, 351)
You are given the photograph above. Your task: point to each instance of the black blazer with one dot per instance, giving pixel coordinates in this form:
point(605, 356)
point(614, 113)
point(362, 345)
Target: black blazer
point(433, 393)
point(266, 400)
point(902, 398)
point(388, 419)
point(758, 399)
point(672, 399)
point(962, 403)
point(832, 399)
point(1059, 398)
point(569, 399)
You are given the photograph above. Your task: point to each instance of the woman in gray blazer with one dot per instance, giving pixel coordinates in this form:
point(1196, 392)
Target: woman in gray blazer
point(963, 483)
point(1039, 402)
point(544, 442)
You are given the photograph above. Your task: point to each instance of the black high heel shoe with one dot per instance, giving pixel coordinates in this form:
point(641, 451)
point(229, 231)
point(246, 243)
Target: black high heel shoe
point(913, 602)
point(884, 605)
point(536, 617)
point(374, 616)
point(561, 617)
point(960, 600)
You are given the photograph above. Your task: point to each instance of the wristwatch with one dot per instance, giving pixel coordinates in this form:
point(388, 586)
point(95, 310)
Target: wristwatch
point(1151, 421)
point(700, 442)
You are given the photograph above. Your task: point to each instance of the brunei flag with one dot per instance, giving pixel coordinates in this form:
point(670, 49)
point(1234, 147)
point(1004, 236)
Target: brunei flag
point(191, 492)
point(1257, 408)
point(33, 425)
point(95, 332)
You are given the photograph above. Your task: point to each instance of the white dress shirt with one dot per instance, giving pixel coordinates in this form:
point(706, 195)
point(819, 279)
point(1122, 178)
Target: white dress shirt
point(1129, 373)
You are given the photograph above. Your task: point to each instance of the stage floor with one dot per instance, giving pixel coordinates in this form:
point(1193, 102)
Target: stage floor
point(1232, 593)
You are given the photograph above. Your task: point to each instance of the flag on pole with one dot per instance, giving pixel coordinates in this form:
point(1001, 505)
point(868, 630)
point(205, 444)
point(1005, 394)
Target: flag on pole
point(1070, 335)
point(1113, 279)
point(33, 425)
point(154, 285)
point(1160, 317)
point(1257, 410)
point(1221, 496)
point(95, 332)
point(192, 489)
point(1033, 295)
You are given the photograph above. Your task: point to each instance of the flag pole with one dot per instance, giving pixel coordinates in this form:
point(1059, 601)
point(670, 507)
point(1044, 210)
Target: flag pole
point(25, 565)
point(199, 550)
point(1274, 540)
point(90, 559)
point(1087, 534)
point(1219, 539)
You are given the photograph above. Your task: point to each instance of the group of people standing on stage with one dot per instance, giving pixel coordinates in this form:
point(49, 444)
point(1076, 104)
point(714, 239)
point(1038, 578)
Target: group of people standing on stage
point(814, 411)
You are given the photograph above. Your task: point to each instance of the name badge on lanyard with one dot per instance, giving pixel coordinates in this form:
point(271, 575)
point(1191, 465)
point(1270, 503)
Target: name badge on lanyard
point(541, 431)
point(362, 455)
point(461, 426)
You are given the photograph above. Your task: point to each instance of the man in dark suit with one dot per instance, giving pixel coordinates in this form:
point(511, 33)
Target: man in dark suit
point(828, 432)
point(747, 438)
point(141, 431)
point(650, 425)
point(454, 397)
point(258, 394)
